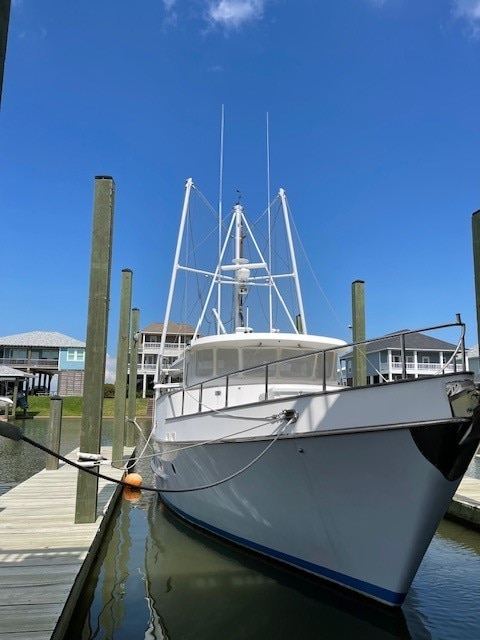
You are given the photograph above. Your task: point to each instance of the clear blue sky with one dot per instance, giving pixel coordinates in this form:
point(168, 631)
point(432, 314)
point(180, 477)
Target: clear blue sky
point(374, 134)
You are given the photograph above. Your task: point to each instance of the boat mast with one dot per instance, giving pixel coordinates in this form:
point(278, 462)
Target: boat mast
point(188, 188)
point(242, 273)
point(220, 327)
point(286, 218)
point(270, 292)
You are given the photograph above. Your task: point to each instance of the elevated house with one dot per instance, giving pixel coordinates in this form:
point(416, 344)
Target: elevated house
point(473, 362)
point(43, 355)
point(178, 336)
point(424, 356)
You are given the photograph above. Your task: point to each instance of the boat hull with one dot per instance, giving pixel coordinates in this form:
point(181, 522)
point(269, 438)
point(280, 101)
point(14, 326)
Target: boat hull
point(357, 507)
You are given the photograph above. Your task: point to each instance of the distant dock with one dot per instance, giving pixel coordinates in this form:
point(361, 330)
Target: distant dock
point(465, 506)
point(44, 556)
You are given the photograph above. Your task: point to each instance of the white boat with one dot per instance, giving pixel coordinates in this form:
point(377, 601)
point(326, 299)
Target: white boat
point(258, 441)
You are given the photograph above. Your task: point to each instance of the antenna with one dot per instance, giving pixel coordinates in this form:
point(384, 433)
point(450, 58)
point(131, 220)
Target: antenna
point(220, 213)
point(270, 301)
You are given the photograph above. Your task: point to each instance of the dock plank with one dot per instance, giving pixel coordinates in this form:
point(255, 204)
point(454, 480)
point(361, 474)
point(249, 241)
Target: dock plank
point(43, 553)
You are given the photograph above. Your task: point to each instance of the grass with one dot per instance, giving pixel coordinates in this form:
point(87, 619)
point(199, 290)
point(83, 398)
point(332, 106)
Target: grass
point(72, 406)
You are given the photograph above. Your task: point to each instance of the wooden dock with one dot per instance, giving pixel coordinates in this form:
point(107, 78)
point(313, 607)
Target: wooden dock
point(44, 556)
point(465, 506)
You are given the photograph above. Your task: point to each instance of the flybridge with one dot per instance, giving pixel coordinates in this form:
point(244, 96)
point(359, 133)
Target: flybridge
point(240, 273)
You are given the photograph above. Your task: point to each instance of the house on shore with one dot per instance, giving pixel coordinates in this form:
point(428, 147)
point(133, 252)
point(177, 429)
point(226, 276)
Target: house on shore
point(178, 337)
point(473, 363)
point(424, 356)
point(44, 355)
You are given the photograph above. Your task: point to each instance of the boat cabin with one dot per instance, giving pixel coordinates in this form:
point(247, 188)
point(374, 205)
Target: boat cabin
point(291, 359)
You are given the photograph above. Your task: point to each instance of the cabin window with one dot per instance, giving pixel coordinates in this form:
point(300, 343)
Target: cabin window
point(259, 356)
point(204, 363)
point(331, 366)
point(299, 368)
point(227, 361)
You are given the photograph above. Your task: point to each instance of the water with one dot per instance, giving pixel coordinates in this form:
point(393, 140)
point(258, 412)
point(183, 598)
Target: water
point(158, 578)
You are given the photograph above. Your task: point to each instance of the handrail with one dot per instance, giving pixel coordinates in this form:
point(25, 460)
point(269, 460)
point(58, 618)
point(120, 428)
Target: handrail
point(460, 347)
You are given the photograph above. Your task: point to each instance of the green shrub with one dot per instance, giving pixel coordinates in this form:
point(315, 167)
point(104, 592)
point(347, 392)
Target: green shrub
point(109, 391)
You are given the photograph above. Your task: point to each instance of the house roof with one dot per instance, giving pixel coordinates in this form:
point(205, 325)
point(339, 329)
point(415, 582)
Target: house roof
point(173, 328)
point(10, 372)
point(40, 339)
point(413, 342)
point(473, 352)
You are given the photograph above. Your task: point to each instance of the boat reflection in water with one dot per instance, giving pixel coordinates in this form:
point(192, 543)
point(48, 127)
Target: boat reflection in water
point(161, 578)
point(200, 587)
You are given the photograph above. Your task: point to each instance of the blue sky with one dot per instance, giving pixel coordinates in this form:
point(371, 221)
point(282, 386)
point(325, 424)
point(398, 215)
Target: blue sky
point(374, 134)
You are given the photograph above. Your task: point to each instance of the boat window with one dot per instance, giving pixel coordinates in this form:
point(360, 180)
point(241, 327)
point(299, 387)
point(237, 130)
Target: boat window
point(331, 368)
point(204, 363)
point(227, 361)
point(259, 356)
point(299, 368)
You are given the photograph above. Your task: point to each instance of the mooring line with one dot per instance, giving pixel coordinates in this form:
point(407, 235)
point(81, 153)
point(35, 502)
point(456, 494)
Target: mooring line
point(12, 432)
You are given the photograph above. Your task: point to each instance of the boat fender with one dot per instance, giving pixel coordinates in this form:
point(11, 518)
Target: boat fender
point(133, 479)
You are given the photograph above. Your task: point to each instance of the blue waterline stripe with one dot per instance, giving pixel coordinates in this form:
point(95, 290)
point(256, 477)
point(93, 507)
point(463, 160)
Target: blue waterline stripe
point(360, 585)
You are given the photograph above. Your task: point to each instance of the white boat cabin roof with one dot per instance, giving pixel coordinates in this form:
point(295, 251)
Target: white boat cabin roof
point(251, 339)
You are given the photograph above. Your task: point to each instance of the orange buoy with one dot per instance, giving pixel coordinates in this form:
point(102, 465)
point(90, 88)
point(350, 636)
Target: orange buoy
point(131, 494)
point(133, 479)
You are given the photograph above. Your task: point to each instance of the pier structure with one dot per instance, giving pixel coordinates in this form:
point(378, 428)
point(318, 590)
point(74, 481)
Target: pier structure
point(465, 506)
point(45, 557)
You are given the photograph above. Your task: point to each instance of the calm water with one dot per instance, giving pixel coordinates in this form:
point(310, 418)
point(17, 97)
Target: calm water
point(159, 578)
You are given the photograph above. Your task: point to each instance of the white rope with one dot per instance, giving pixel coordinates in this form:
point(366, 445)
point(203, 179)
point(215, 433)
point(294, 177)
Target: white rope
point(233, 475)
point(280, 416)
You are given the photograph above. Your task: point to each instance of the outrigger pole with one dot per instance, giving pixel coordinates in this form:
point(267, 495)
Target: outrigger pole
point(186, 200)
point(286, 217)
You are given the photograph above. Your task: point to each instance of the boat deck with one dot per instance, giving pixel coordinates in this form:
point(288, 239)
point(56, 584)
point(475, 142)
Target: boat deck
point(44, 555)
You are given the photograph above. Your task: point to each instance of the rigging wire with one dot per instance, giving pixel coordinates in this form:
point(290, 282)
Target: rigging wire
point(332, 308)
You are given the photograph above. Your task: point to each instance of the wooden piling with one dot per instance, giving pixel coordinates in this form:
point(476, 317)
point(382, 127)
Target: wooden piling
point(132, 379)
point(96, 343)
point(54, 431)
point(358, 327)
point(121, 369)
point(476, 265)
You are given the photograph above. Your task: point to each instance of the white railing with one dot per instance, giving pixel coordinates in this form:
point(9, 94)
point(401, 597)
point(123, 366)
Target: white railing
point(419, 367)
point(146, 367)
point(154, 347)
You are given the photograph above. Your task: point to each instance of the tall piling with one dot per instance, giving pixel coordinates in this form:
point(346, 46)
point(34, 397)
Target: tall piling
point(132, 378)
point(54, 432)
point(476, 265)
point(358, 328)
point(96, 343)
point(121, 370)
